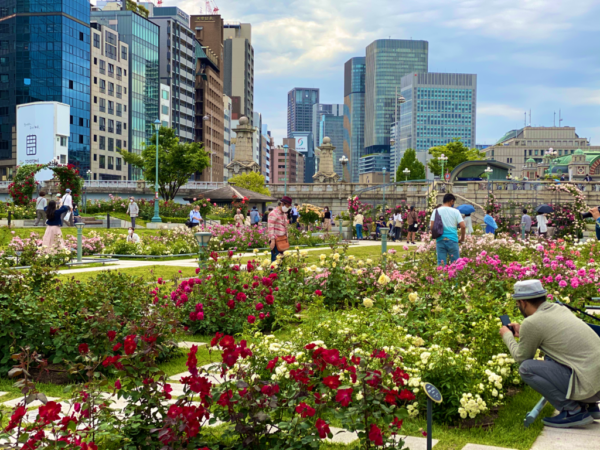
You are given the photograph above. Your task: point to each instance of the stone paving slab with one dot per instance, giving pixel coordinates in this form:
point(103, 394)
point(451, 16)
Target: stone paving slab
point(483, 447)
point(581, 438)
point(3, 393)
point(35, 404)
point(341, 436)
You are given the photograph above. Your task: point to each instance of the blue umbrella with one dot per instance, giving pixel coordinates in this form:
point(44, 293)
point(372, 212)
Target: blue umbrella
point(466, 209)
point(544, 209)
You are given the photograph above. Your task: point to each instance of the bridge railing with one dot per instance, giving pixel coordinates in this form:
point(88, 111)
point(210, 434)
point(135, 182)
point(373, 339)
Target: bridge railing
point(125, 184)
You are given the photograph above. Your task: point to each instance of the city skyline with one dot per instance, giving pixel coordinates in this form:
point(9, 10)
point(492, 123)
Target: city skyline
point(537, 57)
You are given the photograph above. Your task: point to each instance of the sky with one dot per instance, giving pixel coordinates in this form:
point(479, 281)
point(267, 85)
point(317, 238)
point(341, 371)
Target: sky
point(538, 55)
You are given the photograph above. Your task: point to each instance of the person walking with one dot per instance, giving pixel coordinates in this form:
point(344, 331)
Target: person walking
point(76, 216)
point(567, 377)
point(53, 236)
point(40, 207)
point(254, 216)
point(412, 220)
point(358, 224)
point(295, 213)
point(327, 219)
point(490, 224)
point(247, 220)
point(239, 219)
point(132, 237)
point(265, 217)
point(133, 210)
point(468, 224)
point(542, 224)
point(277, 228)
point(397, 229)
point(526, 222)
point(67, 200)
point(195, 217)
point(447, 245)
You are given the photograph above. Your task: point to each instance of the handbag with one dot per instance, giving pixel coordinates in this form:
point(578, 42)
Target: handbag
point(398, 223)
point(282, 243)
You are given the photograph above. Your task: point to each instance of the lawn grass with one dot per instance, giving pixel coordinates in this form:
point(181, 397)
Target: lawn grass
point(148, 273)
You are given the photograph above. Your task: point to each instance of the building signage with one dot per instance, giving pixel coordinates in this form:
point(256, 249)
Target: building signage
point(302, 144)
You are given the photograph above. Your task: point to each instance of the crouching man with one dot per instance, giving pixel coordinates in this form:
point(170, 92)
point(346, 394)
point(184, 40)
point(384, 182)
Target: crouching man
point(569, 376)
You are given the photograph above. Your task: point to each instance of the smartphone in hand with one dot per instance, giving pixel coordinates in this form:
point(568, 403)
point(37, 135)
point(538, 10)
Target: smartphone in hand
point(506, 322)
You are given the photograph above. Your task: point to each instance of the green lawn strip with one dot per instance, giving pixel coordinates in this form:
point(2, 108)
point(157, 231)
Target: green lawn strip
point(85, 266)
point(148, 273)
point(177, 365)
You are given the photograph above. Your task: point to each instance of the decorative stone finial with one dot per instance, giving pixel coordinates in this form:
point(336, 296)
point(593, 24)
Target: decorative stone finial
point(326, 140)
point(243, 120)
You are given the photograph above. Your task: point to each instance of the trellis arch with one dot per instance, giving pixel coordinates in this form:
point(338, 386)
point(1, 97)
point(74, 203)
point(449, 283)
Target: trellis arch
point(24, 184)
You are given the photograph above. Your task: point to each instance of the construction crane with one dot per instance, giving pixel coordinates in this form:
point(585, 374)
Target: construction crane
point(210, 7)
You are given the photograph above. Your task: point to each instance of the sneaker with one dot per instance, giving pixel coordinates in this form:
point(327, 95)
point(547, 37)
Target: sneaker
point(566, 420)
point(594, 411)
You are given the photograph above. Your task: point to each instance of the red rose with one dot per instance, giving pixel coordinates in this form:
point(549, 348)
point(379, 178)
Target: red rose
point(322, 428)
point(111, 335)
point(271, 365)
point(305, 411)
point(344, 396)
point(251, 319)
point(83, 349)
point(318, 293)
point(332, 382)
point(375, 435)
point(130, 344)
point(49, 412)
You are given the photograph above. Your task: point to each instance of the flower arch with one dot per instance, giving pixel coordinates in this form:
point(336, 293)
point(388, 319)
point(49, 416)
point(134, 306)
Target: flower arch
point(24, 185)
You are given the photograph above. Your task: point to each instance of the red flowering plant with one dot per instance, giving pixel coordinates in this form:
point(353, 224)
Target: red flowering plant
point(23, 186)
point(227, 298)
point(281, 395)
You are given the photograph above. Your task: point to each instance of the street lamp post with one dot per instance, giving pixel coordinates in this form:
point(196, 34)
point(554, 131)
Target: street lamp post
point(406, 172)
point(88, 177)
point(210, 117)
point(383, 170)
point(285, 148)
point(343, 162)
point(442, 159)
point(489, 172)
point(156, 218)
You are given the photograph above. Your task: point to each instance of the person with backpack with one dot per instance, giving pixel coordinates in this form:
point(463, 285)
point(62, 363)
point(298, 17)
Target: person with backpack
point(445, 222)
point(254, 216)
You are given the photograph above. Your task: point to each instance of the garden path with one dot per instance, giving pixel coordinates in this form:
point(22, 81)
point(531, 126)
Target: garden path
point(583, 438)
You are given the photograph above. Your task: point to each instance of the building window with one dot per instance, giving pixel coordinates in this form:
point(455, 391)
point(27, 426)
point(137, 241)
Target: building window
point(95, 138)
point(118, 144)
point(70, 84)
point(110, 51)
point(119, 125)
point(111, 145)
point(95, 157)
point(118, 163)
point(111, 69)
point(96, 40)
point(111, 88)
point(119, 110)
point(102, 145)
point(124, 52)
point(3, 78)
point(165, 95)
point(165, 110)
point(111, 126)
point(111, 162)
point(102, 66)
point(102, 161)
point(102, 124)
point(119, 72)
point(111, 107)
point(63, 141)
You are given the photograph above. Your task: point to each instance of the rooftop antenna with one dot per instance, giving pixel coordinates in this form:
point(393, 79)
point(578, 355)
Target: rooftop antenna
point(560, 119)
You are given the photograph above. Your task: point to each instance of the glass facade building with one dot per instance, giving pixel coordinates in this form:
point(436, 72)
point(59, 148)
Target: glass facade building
point(439, 107)
point(300, 110)
point(333, 127)
point(354, 113)
point(45, 56)
point(387, 61)
point(142, 36)
point(319, 110)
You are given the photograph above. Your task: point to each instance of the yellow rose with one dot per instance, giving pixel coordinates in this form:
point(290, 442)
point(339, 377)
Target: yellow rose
point(367, 303)
point(323, 257)
point(413, 297)
point(369, 261)
point(383, 279)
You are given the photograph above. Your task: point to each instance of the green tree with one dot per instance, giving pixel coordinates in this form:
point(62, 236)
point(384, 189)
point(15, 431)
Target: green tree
point(252, 181)
point(176, 162)
point(456, 152)
point(409, 161)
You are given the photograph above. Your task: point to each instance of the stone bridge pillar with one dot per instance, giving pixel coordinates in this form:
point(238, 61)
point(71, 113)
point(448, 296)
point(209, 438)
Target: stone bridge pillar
point(326, 174)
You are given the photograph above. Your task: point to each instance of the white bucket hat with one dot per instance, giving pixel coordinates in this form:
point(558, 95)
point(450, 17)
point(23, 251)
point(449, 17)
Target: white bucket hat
point(529, 289)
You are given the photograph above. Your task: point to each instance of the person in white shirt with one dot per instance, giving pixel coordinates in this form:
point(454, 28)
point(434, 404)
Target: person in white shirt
point(447, 247)
point(40, 208)
point(67, 200)
point(468, 224)
point(132, 236)
point(542, 224)
point(397, 229)
point(133, 210)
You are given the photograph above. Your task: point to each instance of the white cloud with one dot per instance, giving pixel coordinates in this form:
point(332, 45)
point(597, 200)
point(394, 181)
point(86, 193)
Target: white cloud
point(499, 110)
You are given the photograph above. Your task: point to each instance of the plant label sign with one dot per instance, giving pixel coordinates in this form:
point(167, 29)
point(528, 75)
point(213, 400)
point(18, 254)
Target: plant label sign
point(433, 393)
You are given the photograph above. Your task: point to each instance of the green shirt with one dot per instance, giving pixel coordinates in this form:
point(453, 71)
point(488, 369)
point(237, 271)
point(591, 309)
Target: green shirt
point(567, 340)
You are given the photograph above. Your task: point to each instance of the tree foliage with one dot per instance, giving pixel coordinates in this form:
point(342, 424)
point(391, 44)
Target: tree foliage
point(409, 161)
point(176, 162)
point(456, 152)
point(252, 181)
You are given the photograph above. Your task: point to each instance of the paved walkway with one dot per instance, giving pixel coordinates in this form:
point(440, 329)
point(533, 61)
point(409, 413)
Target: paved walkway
point(193, 262)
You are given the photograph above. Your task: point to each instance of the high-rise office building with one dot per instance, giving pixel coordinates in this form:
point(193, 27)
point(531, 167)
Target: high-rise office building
point(256, 139)
point(142, 37)
point(300, 110)
point(290, 165)
point(387, 61)
point(209, 91)
point(227, 151)
point(333, 127)
point(238, 74)
point(110, 104)
point(319, 110)
point(303, 144)
point(439, 107)
point(266, 145)
point(177, 65)
point(354, 113)
point(45, 56)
